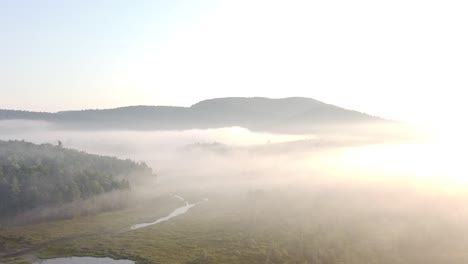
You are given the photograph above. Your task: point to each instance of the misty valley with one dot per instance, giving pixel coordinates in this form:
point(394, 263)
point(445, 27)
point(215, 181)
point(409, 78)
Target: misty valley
point(231, 180)
point(233, 132)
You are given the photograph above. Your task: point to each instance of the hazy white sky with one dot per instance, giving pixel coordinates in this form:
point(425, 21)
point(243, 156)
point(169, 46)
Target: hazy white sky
point(400, 59)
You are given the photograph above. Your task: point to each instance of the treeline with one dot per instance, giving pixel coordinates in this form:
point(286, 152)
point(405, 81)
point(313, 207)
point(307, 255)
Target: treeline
point(33, 175)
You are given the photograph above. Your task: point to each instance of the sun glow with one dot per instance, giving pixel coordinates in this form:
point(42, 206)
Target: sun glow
point(427, 164)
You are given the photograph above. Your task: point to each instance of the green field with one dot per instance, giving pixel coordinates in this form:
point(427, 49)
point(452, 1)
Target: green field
point(271, 227)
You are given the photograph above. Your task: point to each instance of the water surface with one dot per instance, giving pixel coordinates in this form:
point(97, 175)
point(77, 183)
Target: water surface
point(84, 260)
point(176, 212)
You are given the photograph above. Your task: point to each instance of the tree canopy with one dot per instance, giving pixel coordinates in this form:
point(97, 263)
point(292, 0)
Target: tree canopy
point(34, 175)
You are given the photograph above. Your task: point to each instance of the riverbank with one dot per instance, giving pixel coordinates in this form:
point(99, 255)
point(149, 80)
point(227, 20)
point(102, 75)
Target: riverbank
point(322, 225)
point(22, 244)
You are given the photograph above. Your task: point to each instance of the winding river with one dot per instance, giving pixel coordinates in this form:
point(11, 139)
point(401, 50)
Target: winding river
point(92, 260)
point(178, 211)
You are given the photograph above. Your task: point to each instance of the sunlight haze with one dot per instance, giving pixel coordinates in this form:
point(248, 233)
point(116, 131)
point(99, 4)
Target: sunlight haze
point(226, 132)
point(391, 59)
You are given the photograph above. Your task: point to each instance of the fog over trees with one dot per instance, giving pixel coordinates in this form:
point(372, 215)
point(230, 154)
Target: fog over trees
point(42, 175)
point(359, 193)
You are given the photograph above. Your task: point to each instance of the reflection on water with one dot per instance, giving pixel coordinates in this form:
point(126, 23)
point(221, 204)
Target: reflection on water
point(84, 260)
point(176, 212)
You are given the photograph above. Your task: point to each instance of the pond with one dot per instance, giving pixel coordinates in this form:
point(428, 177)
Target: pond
point(83, 260)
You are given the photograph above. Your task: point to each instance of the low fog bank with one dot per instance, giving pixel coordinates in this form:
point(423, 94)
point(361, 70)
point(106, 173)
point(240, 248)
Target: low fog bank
point(230, 158)
point(357, 224)
point(238, 160)
point(400, 197)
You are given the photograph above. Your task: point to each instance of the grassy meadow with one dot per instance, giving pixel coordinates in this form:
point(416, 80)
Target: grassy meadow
point(258, 227)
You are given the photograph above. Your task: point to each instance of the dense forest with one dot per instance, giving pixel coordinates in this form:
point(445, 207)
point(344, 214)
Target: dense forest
point(41, 175)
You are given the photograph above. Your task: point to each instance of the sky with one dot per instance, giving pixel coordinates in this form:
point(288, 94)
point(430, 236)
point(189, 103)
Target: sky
point(402, 59)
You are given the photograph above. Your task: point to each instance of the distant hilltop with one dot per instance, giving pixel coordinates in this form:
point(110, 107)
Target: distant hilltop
point(287, 115)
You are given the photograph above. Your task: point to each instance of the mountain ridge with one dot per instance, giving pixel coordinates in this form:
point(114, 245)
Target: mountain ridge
point(291, 114)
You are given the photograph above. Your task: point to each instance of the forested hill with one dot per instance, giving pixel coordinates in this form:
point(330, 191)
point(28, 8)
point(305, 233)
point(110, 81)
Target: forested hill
point(41, 175)
point(292, 115)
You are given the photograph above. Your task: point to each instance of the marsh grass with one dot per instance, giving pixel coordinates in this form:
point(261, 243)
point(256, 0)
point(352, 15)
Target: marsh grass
point(273, 227)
